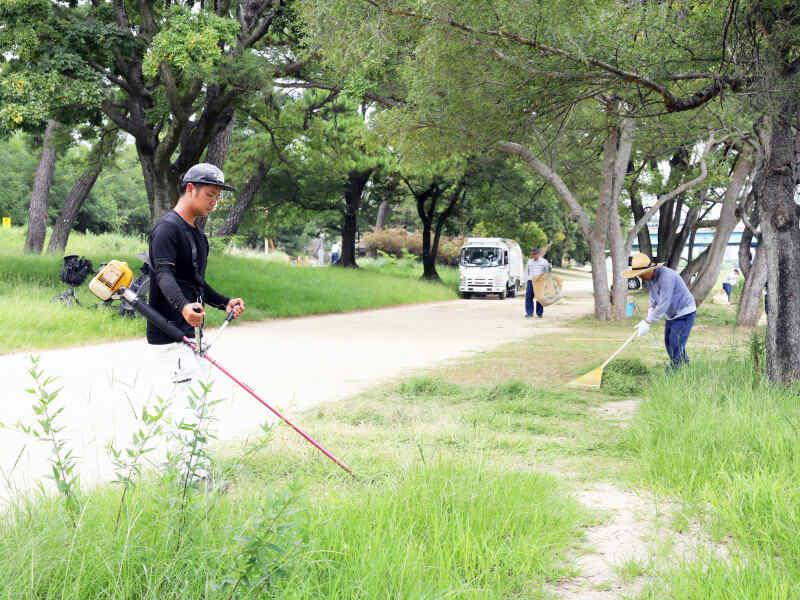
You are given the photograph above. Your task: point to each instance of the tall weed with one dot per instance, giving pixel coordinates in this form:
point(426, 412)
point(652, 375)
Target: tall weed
point(730, 445)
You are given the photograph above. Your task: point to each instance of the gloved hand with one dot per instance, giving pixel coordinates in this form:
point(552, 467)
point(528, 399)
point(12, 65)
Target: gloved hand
point(642, 328)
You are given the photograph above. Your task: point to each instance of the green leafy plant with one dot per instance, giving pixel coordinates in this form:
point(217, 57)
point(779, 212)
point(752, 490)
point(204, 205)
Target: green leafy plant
point(46, 429)
point(267, 544)
point(190, 462)
point(128, 462)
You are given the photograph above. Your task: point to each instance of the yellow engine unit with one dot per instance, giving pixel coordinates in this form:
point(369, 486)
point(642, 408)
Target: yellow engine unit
point(114, 276)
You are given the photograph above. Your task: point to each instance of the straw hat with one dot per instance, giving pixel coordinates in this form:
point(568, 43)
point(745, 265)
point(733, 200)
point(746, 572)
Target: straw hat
point(639, 263)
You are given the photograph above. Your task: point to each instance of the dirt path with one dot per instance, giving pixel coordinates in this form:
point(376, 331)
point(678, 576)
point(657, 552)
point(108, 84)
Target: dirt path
point(294, 363)
point(635, 538)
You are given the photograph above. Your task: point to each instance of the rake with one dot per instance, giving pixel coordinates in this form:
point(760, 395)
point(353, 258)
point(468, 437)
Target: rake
point(594, 378)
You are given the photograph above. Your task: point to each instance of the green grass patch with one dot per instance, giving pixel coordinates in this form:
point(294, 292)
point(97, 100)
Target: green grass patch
point(427, 387)
point(29, 320)
point(716, 434)
point(443, 507)
point(624, 377)
point(410, 267)
point(433, 531)
point(446, 530)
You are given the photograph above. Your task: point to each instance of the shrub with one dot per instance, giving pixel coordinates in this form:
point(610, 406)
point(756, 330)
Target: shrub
point(397, 242)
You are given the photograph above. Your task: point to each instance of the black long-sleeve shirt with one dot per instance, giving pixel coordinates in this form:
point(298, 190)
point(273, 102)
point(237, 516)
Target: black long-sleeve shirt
point(175, 283)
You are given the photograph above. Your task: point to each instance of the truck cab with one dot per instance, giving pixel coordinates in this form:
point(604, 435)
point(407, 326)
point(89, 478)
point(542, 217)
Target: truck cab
point(490, 266)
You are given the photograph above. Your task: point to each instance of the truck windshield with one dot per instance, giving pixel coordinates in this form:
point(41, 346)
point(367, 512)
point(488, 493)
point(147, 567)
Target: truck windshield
point(481, 257)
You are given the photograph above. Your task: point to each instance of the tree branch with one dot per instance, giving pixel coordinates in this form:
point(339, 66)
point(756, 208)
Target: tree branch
point(553, 179)
point(119, 82)
point(671, 102)
point(258, 31)
point(148, 27)
point(118, 117)
point(316, 85)
point(173, 95)
point(122, 14)
point(664, 198)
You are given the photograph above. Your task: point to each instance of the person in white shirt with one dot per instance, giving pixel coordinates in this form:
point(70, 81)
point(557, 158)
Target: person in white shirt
point(537, 265)
point(731, 279)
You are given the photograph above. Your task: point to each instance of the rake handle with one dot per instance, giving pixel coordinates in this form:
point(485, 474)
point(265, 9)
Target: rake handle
point(620, 349)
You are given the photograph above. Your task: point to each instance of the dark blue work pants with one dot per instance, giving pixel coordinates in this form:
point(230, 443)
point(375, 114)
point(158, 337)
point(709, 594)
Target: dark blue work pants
point(529, 301)
point(676, 334)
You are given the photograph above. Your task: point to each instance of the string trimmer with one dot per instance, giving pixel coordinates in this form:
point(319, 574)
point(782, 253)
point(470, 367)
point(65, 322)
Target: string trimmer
point(111, 282)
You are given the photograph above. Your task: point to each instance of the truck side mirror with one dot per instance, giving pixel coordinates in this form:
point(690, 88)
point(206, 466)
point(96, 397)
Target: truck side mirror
point(505, 258)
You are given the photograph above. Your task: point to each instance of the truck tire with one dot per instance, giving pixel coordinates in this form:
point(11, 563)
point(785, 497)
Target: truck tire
point(502, 295)
point(465, 295)
point(512, 292)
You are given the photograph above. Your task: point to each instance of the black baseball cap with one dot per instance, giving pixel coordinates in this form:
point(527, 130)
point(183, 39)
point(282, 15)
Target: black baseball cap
point(208, 174)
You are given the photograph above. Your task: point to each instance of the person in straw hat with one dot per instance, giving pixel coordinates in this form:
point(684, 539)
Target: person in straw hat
point(669, 298)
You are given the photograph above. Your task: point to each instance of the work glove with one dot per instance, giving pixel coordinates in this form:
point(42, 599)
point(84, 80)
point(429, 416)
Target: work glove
point(642, 328)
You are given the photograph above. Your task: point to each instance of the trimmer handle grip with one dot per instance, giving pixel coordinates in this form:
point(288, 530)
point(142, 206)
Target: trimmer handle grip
point(153, 316)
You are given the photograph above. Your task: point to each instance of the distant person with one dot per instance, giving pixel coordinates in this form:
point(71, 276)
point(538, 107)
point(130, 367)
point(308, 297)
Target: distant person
point(669, 298)
point(321, 254)
point(336, 253)
point(178, 254)
point(731, 280)
point(537, 265)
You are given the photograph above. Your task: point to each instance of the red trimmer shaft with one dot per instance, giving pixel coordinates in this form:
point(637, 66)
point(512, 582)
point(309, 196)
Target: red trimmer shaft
point(176, 334)
point(274, 411)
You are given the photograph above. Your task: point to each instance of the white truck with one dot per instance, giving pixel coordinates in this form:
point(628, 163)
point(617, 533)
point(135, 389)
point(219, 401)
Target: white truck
point(490, 266)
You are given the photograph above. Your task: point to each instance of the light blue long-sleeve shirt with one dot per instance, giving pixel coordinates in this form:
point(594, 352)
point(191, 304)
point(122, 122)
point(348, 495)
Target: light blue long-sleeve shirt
point(669, 296)
point(534, 268)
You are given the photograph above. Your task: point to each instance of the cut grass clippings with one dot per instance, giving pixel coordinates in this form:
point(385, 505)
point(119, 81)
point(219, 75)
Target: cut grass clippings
point(30, 320)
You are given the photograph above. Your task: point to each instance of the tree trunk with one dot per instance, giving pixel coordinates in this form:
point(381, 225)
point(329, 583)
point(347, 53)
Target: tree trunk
point(645, 245)
point(616, 155)
point(102, 150)
point(780, 236)
point(432, 220)
point(161, 173)
point(707, 277)
point(353, 192)
point(37, 210)
point(243, 200)
point(161, 183)
point(745, 252)
point(216, 154)
point(619, 262)
point(602, 299)
point(72, 205)
point(428, 257)
point(753, 290)
point(220, 144)
point(383, 213)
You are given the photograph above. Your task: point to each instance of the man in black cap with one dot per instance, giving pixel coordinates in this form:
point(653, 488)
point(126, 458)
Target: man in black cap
point(178, 256)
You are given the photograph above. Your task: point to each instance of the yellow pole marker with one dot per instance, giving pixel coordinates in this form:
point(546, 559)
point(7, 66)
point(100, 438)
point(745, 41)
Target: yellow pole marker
point(6, 222)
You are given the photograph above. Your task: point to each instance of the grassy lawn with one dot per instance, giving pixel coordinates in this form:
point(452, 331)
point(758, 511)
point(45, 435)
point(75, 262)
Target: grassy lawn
point(467, 475)
point(29, 320)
